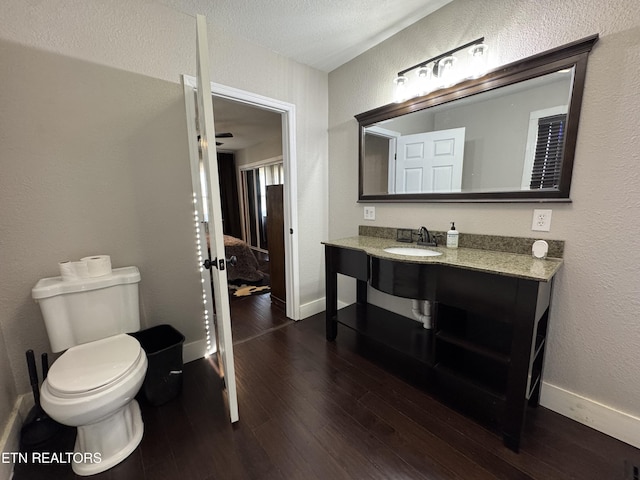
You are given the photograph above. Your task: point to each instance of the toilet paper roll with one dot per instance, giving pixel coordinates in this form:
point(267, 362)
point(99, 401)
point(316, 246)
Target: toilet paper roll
point(73, 270)
point(98, 265)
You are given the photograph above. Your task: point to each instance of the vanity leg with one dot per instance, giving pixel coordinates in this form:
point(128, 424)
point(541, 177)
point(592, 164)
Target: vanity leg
point(361, 292)
point(511, 442)
point(534, 400)
point(522, 341)
point(331, 296)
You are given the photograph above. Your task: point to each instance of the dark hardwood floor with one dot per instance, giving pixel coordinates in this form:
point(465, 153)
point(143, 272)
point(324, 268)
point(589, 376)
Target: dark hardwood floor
point(311, 409)
point(254, 315)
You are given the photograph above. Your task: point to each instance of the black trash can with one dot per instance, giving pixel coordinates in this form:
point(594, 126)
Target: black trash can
point(163, 346)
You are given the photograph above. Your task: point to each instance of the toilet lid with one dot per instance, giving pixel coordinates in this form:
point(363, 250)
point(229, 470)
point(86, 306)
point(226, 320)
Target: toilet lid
point(93, 365)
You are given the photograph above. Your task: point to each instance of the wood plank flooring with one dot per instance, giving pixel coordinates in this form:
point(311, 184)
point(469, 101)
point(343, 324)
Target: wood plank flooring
point(254, 315)
point(311, 409)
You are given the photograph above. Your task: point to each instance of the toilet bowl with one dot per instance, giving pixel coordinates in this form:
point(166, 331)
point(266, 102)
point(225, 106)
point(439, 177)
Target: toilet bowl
point(93, 384)
point(92, 387)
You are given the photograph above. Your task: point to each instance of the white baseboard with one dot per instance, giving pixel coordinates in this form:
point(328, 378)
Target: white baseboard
point(618, 424)
point(342, 304)
point(10, 441)
point(193, 350)
point(312, 308)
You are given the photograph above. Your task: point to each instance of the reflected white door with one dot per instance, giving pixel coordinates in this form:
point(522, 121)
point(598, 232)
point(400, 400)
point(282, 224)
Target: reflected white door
point(206, 189)
point(430, 162)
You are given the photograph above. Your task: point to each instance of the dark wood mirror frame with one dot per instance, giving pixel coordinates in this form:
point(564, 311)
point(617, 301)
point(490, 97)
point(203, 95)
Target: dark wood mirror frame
point(572, 55)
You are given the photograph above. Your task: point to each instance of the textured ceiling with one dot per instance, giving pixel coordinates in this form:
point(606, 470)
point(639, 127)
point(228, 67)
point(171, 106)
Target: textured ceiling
point(323, 34)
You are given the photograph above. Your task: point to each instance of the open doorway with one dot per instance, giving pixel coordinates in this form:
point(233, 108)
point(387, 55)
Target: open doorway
point(249, 144)
point(287, 113)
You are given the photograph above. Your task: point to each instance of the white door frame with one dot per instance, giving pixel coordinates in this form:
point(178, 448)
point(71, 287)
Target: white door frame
point(392, 136)
point(288, 114)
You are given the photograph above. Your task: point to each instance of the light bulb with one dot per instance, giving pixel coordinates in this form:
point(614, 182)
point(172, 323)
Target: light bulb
point(401, 91)
point(446, 70)
point(424, 79)
point(479, 57)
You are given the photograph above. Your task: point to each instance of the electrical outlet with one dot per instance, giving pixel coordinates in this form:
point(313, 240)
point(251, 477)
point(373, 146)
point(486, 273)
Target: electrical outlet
point(369, 213)
point(541, 220)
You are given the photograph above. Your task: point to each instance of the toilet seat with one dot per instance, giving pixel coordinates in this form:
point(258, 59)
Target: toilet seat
point(93, 367)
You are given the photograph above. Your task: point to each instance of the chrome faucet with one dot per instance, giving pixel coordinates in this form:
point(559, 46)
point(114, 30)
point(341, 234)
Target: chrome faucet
point(423, 235)
point(425, 239)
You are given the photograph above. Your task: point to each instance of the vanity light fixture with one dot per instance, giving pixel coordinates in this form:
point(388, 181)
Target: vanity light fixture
point(442, 71)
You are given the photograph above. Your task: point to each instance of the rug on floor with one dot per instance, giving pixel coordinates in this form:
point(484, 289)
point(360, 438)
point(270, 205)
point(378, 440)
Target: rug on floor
point(246, 290)
point(243, 288)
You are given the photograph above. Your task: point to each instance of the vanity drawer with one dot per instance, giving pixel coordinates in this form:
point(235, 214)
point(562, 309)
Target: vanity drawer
point(485, 294)
point(353, 263)
point(403, 279)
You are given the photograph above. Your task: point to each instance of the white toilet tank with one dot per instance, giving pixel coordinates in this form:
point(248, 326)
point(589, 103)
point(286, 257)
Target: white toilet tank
point(81, 311)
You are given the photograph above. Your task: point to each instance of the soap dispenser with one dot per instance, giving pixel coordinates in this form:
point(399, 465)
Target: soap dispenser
point(452, 237)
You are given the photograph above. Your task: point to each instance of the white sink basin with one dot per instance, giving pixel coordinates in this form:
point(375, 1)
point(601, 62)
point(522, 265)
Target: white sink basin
point(412, 252)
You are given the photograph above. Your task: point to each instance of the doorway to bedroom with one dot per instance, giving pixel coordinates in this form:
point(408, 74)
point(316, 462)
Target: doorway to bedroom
point(252, 175)
point(261, 198)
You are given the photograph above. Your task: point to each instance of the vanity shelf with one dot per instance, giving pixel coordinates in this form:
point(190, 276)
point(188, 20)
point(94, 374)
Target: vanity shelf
point(477, 333)
point(466, 345)
point(399, 333)
point(486, 350)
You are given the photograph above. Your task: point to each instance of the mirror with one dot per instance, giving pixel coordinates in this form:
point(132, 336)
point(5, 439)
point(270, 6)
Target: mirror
point(507, 136)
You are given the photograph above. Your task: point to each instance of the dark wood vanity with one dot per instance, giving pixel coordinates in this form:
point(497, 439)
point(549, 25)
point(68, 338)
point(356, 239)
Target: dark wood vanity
point(486, 348)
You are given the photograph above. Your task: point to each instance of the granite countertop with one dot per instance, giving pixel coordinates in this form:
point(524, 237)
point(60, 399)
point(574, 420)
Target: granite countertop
point(501, 263)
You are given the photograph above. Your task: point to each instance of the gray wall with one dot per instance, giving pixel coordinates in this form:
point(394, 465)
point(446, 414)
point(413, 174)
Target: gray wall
point(7, 385)
point(263, 151)
point(593, 339)
point(94, 160)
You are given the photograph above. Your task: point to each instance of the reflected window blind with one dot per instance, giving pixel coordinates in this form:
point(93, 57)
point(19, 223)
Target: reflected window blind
point(547, 162)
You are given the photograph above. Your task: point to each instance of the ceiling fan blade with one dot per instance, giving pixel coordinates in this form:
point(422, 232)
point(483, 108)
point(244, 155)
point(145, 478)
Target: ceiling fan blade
point(224, 135)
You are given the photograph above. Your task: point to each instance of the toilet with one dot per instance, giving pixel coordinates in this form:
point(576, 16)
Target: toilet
point(92, 385)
